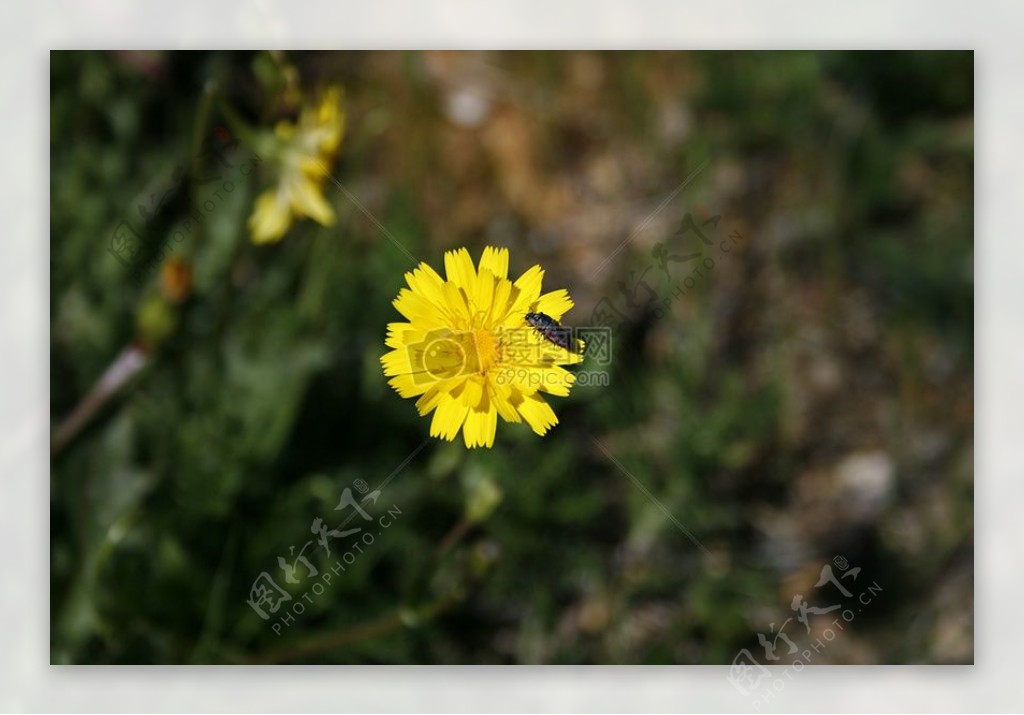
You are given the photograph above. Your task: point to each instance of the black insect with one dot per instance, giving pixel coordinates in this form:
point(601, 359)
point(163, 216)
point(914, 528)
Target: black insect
point(553, 331)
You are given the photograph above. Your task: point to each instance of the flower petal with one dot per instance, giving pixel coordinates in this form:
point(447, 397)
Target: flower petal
point(418, 310)
point(500, 303)
point(530, 282)
point(403, 334)
point(552, 379)
point(396, 362)
point(556, 303)
point(537, 413)
point(429, 400)
point(525, 292)
point(483, 299)
point(424, 280)
point(270, 218)
point(502, 398)
point(480, 427)
point(495, 260)
point(448, 418)
point(407, 386)
point(458, 266)
point(458, 312)
point(307, 200)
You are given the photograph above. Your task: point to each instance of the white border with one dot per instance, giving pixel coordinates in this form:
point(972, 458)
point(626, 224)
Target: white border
point(31, 29)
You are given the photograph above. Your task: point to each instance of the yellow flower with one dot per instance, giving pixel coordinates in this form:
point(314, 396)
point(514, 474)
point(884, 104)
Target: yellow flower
point(307, 150)
point(467, 352)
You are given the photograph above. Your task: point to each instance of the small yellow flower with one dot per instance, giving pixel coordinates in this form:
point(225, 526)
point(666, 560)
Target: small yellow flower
point(307, 150)
point(467, 352)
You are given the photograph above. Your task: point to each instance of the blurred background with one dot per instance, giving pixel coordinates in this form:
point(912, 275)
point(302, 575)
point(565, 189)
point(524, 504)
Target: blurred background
point(780, 244)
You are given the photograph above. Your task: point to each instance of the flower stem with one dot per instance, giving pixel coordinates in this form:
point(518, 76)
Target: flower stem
point(125, 366)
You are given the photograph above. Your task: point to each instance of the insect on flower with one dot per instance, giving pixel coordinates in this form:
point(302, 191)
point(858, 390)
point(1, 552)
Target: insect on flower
point(554, 332)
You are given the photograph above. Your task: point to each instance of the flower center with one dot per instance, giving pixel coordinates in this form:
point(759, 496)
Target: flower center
point(486, 350)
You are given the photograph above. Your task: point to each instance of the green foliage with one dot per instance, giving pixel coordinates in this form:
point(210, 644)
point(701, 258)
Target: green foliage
point(842, 326)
